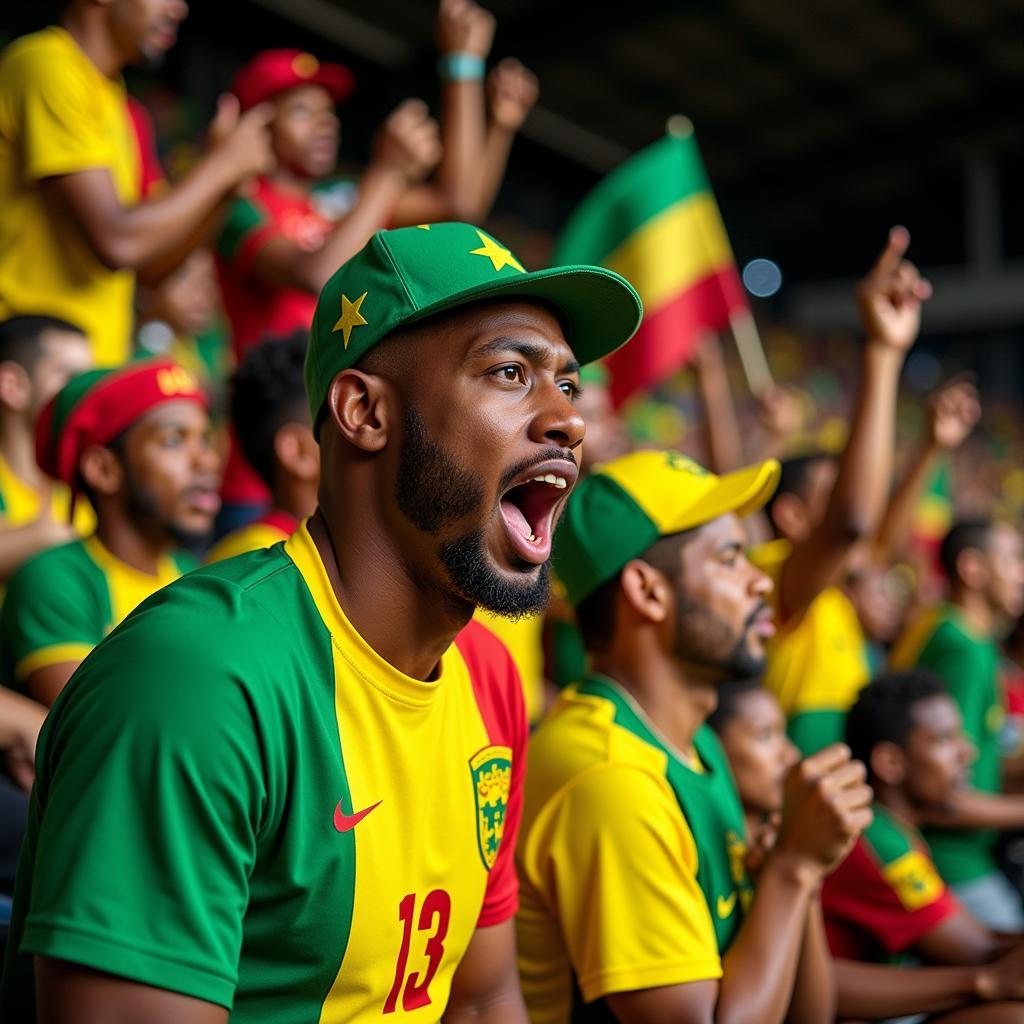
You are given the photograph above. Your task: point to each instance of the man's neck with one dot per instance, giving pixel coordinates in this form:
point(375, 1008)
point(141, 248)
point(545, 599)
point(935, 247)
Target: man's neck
point(296, 497)
point(18, 448)
point(286, 180)
point(675, 702)
point(408, 625)
point(137, 548)
point(86, 27)
point(976, 610)
point(894, 800)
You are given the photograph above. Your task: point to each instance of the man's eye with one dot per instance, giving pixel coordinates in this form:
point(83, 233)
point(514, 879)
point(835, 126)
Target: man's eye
point(570, 389)
point(510, 373)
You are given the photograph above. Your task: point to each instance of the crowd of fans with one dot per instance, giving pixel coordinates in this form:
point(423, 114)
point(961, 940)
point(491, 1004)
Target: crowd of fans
point(777, 760)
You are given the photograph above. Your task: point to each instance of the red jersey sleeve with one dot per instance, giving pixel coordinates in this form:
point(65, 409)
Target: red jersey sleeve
point(499, 695)
point(871, 907)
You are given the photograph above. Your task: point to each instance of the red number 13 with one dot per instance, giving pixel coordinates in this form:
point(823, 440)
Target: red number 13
point(436, 907)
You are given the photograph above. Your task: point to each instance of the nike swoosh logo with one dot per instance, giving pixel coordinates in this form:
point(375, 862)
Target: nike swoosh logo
point(346, 822)
point(725, 906)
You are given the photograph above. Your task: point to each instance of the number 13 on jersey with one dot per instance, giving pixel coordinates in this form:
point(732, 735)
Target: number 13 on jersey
point(429, 923)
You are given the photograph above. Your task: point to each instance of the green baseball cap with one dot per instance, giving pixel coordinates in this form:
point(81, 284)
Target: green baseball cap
point(408, 274)
point(624, 506)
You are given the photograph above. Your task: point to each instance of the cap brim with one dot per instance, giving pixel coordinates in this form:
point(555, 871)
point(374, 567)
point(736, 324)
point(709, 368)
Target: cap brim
point(601, 309)
point(741, 492)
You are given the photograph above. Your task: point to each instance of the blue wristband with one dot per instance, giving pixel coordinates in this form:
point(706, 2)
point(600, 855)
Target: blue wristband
point(461, 67)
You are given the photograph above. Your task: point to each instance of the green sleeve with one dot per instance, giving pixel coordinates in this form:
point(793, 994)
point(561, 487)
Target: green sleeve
point(963, 667)
point(55, 610)
point(151, 789)
point(243, 216)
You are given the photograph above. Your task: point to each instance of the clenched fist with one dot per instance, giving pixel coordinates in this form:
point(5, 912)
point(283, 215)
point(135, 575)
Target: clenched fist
point(512, 91)
point(409, 142)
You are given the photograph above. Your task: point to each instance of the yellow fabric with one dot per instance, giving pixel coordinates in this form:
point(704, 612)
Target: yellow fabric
point(58, 654)
point(660, 259)
point(911, 641)
point(128, 587)
point(245, 538)
point(607, 867)
point(819, 662)
point(60, 115)
point(23, 503)
point(524, 639)
point(412, 843)
point(914, 880)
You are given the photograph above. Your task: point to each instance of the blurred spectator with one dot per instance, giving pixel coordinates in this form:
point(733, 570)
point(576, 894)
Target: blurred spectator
point(270, 414)
point(74, 232)
point(38, 354)
point(136, 442)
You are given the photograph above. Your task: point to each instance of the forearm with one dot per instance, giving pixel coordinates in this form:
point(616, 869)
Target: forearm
point(458, 175)
point(205, 233)
point(898, 519)
point(17, 714)
point(506, 1010)
point(723, 445)
point(873, 991)
point(973, 809)
point(814, 990)
point(760, 968)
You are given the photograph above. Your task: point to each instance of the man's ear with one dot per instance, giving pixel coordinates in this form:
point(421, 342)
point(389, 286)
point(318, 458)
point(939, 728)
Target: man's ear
point(646, 590)
point(296, 450)
point(101, 469)
point(789, 516)
point(15, 386)
point(888, 763)
point(360, 405)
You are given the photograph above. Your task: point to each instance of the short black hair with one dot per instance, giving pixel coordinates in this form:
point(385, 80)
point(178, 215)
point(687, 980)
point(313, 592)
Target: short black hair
point(963, 535)
point(884, 709)
point(729, 696)
point(20, 336)
point(267, 391)
point(794, 476)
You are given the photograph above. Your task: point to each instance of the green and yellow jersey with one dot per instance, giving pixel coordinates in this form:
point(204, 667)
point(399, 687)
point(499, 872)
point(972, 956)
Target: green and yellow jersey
point(817, 664)
point(941, 640)
point(239, 800)
point(64, 601)
point(631, 857)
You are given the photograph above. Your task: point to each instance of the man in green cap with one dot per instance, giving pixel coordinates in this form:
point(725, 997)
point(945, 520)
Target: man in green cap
point(636, 898)
point(287, 789)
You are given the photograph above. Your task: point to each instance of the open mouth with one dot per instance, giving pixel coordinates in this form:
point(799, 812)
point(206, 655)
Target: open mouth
point(528, 509)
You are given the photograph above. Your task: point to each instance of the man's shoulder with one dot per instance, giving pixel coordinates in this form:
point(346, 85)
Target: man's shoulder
point(41, 59)
point(887, 838)
point(495, 680)
point(66, 565)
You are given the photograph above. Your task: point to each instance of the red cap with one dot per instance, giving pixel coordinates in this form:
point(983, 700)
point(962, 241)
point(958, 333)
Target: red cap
point(272, 72)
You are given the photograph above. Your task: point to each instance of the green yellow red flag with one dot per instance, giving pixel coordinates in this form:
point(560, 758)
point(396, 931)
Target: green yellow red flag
point(654, 220)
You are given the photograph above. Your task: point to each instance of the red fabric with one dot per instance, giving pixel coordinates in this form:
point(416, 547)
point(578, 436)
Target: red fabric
point(864, 918)
point(278, 519)
point(499, 696)
point(152, 177)
point(274, 71)
point(241, 484)
point(667, 336)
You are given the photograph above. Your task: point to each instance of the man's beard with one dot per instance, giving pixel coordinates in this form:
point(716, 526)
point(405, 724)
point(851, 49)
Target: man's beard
point(143, 509)
point(703, 638)
point(434, 490)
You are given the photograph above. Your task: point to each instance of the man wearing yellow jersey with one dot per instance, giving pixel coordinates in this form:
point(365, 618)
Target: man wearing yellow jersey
point(270, 416)
point(333, 754)
point(37, 356)
point(136, 442)
point(823, 509)
point(75, 228)
point(636, 899)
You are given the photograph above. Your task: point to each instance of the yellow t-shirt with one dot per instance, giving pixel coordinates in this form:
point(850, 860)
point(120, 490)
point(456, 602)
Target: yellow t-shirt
point(21, 504)
point(60, 115)
point(524, 639)
point(817, 665)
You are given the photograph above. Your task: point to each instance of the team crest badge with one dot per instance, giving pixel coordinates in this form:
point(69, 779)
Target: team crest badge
point(491, 769)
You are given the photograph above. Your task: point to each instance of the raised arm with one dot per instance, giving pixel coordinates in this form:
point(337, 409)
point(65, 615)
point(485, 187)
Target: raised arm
point(723, 445)
point(890, 300)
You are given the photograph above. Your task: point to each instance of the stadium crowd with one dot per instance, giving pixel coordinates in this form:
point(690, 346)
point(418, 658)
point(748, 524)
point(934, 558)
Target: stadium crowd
point(316, 515)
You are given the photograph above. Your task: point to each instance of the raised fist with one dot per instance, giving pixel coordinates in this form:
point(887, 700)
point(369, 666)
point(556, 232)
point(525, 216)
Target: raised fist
point(512, 91)
point(464, 27)
point(953, 412)
point(243, 139)
point(409, 141)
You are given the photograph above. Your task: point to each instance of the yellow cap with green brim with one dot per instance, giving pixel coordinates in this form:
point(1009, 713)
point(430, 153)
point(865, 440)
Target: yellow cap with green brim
point(624, 506)
point(406, 275)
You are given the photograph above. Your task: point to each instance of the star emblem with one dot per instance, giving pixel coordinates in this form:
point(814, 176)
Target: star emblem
point(423, 227)
point(498, 255)
point(350, 317)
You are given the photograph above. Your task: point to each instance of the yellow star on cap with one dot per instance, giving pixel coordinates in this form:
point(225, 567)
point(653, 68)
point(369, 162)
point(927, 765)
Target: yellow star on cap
point(423, 227)
point(497, 254)
point(350, 317)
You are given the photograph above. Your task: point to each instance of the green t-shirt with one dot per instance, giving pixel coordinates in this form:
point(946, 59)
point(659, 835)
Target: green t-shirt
point(237, 799)
point(969, 665)
point(61, 603)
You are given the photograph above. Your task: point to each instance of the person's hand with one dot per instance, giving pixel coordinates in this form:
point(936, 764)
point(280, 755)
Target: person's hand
point(1003, 979)
point(953, 412)
point(408, 142)
point(23, 718)
point(890, 296)
point(827, 806)
point(242, 140)
point(780, 411)
point(464, 27)
point(762, 842)
point(50, 530)
point(512, 91)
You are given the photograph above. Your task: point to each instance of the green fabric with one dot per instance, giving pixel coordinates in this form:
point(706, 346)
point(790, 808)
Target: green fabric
point(568, 658)
point(601, 529)
point(243, 216)
point(811, 731)
point(405, 275)
point(709, 802)
point(646, 185)
point(887, 838)
point(969, 665)
point(58, 597)
point(169, 837)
